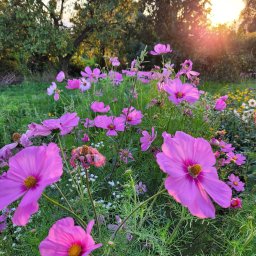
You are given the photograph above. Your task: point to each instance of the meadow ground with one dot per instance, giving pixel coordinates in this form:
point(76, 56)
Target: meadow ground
point(155, 231)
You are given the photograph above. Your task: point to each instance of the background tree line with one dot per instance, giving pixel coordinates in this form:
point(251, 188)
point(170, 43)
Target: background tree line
point(39, 36)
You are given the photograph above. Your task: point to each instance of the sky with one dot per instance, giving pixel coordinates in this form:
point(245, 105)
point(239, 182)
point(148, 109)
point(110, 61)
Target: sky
point(225, 11)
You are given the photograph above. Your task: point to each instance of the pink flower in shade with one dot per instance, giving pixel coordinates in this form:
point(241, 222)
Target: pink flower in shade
point(161, 49)
point(99, 107)
point(85, 138)
point(114, 61)
point(30, 172)
point(65, 123)
point(73, 84)
point(225, 147)
point(238, 159)
point(35, 130)
point(88, 123)
point(192, 177)
point(116, 77)
point(25, 141)
point(84, 85)
point(60, 77)
point(235, 183)
point(65, 238)
point(110, 123)
point(53, 90)
point(236, 203)
point(144, 76)
point(125, 155)
point(87, 156)
point(147, 139)
point(131, 116)
point(181, 92)
point(133, 70)
point(220, 105)
point(186, 68)
point(6, 153)
point(93, 75)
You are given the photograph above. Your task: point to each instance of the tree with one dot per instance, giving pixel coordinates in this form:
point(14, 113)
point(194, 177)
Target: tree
point(40, 29)
point(248, 17)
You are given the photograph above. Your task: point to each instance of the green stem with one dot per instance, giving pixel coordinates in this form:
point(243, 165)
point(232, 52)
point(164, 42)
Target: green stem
point(91, 199)
point(135, 209)
point(65, 208)
point(70, 207)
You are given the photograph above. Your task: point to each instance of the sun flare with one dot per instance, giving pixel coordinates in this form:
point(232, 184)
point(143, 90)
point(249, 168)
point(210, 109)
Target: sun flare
point(225, 11)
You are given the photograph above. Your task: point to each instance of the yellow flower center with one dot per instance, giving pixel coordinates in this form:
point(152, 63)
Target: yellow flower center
point(75, 250)
point(16, 136)
point(194, 170)
point(235, 183)
point(179, 95)
point(30, 182)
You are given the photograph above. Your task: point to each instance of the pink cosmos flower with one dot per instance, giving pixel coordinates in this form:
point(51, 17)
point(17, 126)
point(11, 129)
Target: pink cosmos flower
point(65, 123)
point(161, 49)
point(133, 70)
point(86, 138)
point(236, 203)
point(235, 183)
point(186, 68)
point(110, 123)
point(31, 171)
point(60, 77)
point(181, 92)
point(225, 147)
point(99, 107)
point(114, 61)
point(6, 153)
point(238, 159)
point(73, 84)
point(94, 75)
point(220, 105)
point(53, 90)
point(125, 155)
point(147, 139)
point(35, 130)
point(65, 238)
point(84, 85)
point(24, 140)
point(87, 156)
point(144, 76)
point(192, 177)
point(131, 116)
point(88, 123)
point(116, 77)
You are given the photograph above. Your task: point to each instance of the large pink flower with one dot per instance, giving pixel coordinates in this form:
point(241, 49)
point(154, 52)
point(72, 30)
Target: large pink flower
point(65, 123)
point(65, 238)
point(147, 139)
point(132, 116)
point(97, 106)
point(181, 92)
point(161, 49)
point(31, 171)
point(192, 177)
point(110, 123)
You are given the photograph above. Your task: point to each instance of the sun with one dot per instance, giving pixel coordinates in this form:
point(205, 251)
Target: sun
point(225, 11)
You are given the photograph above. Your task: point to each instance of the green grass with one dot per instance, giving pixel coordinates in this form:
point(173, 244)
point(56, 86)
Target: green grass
point(162, 227)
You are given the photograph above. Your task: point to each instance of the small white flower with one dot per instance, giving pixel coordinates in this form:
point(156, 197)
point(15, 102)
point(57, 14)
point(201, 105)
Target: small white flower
point(252, 103)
